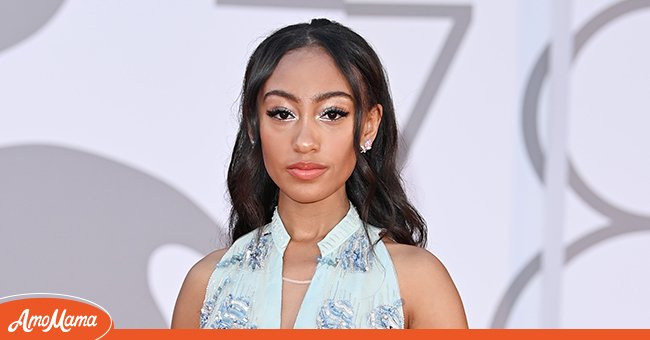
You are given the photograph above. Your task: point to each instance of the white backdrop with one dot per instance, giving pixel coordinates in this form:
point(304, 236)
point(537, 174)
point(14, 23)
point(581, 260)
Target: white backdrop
point(117, 120)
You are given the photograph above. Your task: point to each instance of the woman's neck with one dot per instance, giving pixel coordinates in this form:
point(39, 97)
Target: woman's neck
point(310, 222)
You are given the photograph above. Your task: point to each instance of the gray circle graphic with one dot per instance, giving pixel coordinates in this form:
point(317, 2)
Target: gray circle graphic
point(19, 19)
point(80, 224)
point(621, 221)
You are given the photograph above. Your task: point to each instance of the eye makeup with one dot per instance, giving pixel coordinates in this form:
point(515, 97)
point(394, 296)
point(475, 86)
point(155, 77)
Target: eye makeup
point(281, 113)
point(333, 113)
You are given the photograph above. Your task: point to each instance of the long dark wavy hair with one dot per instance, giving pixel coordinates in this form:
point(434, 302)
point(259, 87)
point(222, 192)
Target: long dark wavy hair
point(375, 187)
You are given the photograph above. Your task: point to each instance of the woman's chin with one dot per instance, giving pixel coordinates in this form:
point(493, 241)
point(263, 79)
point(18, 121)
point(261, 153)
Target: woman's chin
point(307, 196)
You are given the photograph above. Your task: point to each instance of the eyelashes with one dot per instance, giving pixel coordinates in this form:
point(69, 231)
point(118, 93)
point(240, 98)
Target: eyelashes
point(329, 114)
point(281, 113)
point(333, 113)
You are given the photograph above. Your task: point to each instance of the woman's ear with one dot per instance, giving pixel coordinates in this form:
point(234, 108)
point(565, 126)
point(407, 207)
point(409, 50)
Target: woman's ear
point(370, 126)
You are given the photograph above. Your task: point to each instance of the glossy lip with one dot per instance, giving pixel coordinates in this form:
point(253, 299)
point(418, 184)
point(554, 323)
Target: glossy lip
point(306, 170)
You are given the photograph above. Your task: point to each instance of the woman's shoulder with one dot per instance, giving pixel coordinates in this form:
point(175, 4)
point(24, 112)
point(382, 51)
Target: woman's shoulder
point(208, 262)
point(190, 298)
point(202, 270)
point(400, 251)
point(431, 299)
point(411, 262)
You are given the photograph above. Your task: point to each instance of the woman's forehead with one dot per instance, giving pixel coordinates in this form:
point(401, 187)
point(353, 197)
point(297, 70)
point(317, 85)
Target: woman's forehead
point(306, 73)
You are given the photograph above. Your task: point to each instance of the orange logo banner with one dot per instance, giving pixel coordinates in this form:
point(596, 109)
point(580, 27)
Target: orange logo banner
point(39, 315)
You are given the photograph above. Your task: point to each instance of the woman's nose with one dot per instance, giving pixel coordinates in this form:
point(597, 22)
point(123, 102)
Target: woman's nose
point(307, 137)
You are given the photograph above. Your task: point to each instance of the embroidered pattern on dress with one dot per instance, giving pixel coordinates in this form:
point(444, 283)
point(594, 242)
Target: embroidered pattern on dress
point(328, 260)
point(207, 308)
point(234, 313)
point(253, 256)
point(387, 316)
point(335, 314)
point(356, 255)
point(230, 261)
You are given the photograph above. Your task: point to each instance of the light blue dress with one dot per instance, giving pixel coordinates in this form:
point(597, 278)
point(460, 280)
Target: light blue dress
point(354, 285)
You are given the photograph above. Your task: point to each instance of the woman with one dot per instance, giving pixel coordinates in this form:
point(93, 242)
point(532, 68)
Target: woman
point(323, 235)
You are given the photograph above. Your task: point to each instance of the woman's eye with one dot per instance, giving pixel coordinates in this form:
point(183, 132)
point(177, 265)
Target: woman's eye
point(333, 114)
point(280, 114)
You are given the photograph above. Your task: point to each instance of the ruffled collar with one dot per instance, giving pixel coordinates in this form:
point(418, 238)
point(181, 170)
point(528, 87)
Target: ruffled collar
point(342, 231)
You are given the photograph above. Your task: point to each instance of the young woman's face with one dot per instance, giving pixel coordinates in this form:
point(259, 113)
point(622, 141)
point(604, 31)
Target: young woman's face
point(306, 114)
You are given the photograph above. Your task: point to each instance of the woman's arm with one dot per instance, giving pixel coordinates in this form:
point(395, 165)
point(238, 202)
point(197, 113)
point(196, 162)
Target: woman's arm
point(431, 299)
point(190, 298)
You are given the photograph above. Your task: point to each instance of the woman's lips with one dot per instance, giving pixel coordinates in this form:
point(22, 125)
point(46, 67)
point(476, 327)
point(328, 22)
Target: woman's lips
point(306, 171)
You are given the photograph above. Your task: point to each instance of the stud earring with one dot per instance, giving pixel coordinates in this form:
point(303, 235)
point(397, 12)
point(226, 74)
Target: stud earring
point(366, 146)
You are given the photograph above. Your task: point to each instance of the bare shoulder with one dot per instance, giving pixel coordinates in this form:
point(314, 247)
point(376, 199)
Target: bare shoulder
point(190, 298)
point(431, 299)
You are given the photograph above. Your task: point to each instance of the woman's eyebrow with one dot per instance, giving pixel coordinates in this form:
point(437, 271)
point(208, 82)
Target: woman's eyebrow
point(282, 94)
point(317, 98)
point(327, 95)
